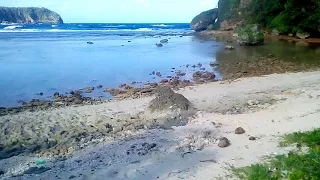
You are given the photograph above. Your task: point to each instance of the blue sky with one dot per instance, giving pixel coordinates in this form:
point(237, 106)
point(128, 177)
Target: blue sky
point(122, 11)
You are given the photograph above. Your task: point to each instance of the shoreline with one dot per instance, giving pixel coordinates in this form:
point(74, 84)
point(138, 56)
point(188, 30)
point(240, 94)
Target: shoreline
point(266, 107)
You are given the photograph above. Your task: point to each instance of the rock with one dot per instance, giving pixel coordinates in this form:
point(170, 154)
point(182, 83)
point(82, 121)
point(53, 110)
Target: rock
point(1, 147)
point(36, 170)
point(228, 47)
point(302, 35)
point(181, 73)
point(224, 142)
point(239, 130)
point(206, 76)
point(141, 149)
point(89, 89)
point(99, 86)
point(56, 94)
point(158, 74)
point(164, 41)
point(72, 177)
point(89, 42)
point(164, 81)
point(252, 138)
point(214, 64)
point(250, 35)
point(40, 94)
point(159, 45)
point(167, 99)
point(129, 41)
point(202, 21)
point(122, 85)
point(275, 32)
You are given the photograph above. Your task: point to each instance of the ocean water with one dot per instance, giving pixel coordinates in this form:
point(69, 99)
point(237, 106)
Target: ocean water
point(56, 58)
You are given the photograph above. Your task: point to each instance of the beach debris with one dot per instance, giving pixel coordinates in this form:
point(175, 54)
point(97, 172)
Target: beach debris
point(239, 130)
point(36, 170)
point(89, 42)
point(252, 138)
point(224, 142)
point(164, 41)
point(38, 162)
point(159, 45)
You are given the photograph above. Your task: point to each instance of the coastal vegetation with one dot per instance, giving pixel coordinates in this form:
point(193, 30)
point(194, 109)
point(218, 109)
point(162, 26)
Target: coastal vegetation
point(294, 165)
point(29, 15)
point(285, 17)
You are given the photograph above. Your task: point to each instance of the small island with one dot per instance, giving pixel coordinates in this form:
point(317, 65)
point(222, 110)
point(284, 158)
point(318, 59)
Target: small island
point(29, 15)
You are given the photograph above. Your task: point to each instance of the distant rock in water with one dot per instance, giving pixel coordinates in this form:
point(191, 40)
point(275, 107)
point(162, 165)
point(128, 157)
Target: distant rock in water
point(30, 15)
point(205, 19)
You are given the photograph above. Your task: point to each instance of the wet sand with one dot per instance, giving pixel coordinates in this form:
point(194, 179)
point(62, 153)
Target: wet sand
point(113, 141)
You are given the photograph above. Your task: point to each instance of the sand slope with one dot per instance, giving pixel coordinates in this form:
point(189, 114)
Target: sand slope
point(266, 107)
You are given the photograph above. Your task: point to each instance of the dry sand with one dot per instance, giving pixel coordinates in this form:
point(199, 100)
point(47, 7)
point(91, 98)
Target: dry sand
point(266, 107)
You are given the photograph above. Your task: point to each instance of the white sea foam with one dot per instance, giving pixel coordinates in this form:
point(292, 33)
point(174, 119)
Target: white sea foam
point(161, 25)
point(12, 27)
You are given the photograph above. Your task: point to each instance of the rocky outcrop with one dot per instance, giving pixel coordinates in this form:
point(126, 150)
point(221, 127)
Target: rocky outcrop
point(30, 15)
point(250, 35)
point(205, 19)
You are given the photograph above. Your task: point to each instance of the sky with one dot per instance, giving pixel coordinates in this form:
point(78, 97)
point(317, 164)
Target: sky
point(120, 11)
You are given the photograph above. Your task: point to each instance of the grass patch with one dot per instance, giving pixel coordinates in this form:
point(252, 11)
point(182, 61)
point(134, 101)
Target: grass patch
point(293, 166)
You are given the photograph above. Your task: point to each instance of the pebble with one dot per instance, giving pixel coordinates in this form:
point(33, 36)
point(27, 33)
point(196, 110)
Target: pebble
point(252, 138)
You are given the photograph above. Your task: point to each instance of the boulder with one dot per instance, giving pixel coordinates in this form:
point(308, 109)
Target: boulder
point(159, 45)
point(202, 21)
point(239, 130)
point(224, 142)
point(250, 35)
point(164, 41)
point(89, 42)
point(228, 47)
point(302, 35)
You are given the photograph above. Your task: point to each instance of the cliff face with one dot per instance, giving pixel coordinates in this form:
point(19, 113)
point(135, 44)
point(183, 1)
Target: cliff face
point(287, 17)
point(29, 15)
point(202, 21)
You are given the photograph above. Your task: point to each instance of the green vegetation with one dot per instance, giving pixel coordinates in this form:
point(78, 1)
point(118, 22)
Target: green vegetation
point(286, 16)
point(293, 166)
point(29, 15)
point(250, 35)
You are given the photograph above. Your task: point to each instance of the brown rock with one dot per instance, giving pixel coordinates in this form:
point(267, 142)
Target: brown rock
point(240, 130)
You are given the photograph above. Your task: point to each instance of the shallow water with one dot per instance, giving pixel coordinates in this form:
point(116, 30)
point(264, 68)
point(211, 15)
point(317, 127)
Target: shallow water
point(47, 64)
point(50, 62)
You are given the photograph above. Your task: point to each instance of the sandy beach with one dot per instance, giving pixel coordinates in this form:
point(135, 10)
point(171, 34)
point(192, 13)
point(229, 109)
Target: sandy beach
point(118, 140)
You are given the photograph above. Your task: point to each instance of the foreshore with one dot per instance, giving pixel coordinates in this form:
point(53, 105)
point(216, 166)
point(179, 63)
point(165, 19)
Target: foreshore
point(114, 140)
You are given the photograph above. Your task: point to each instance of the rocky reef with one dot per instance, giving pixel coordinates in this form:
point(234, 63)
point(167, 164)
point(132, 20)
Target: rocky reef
point(29, 15)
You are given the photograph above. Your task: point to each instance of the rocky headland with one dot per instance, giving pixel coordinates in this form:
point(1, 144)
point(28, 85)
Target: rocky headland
point(29, 15)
